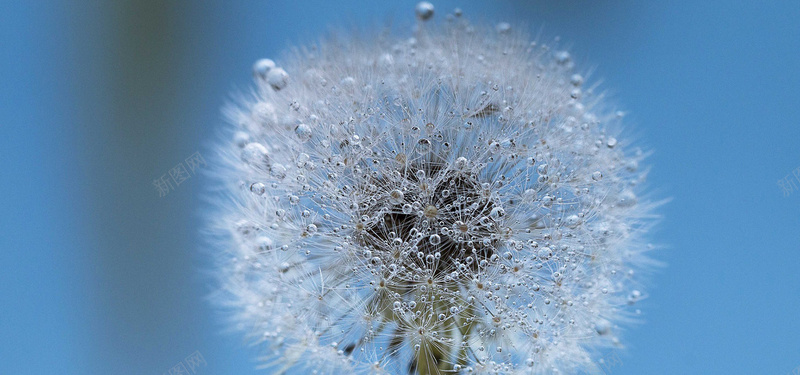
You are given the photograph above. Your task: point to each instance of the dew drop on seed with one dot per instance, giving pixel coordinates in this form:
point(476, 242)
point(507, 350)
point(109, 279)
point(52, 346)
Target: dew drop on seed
point(544, 253)
point(562, 57)
point(430, 211)
point(542, 169)
point(255, 155)
point(258, 188)
point(435, 239)
point(424, 145)
point(602, 327)
point(497, 212)
point(611, 142)
point(303, 132)
point(277, 78)
point(461, 163)
point(597, 175)
point(396, 196)
point(262, 67)
point(573, 221)
point(503, 27)
point(576, 80)
point(278, 171)
point(348, 81)
point(241, 139)
point(264, 243)
point(627, 199)
point(424, 10)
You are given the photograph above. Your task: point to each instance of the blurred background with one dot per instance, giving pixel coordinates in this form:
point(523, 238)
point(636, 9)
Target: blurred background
point(99, 274)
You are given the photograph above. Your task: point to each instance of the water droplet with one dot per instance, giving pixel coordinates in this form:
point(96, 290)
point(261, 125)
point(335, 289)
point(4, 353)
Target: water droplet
point(576, 80)
point(562, 57)
point(461, 163)
point(258, 188)
point(529, 362)
point(241, 139)
point(494, 147)
point(424, 145)
point(435, 239)
point(430, 211)
point(544, 253)
point(611, 142)
point(278, 171)
point(602, 327)
point(503, 27)
point(497, 212)
point(348, 82)
point(277, 78)
point(424, 10)
point(255, 155)
point(573, 221)
point(597, 175)
point(264, 243)
point(303, 132)
point(396, 196)
point(262, 67)
point(627, 199)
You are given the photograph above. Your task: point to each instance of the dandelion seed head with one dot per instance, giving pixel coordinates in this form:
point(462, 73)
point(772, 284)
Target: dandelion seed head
point(454, 202)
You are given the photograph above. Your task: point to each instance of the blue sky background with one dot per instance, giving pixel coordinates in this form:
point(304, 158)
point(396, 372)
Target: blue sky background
point(99, 275)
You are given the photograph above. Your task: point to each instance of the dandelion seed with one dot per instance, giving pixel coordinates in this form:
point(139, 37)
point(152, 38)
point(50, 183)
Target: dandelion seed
point(430, 205)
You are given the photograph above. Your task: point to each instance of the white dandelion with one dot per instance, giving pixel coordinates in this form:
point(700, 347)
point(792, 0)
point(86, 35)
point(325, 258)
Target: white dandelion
point(455, 202)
